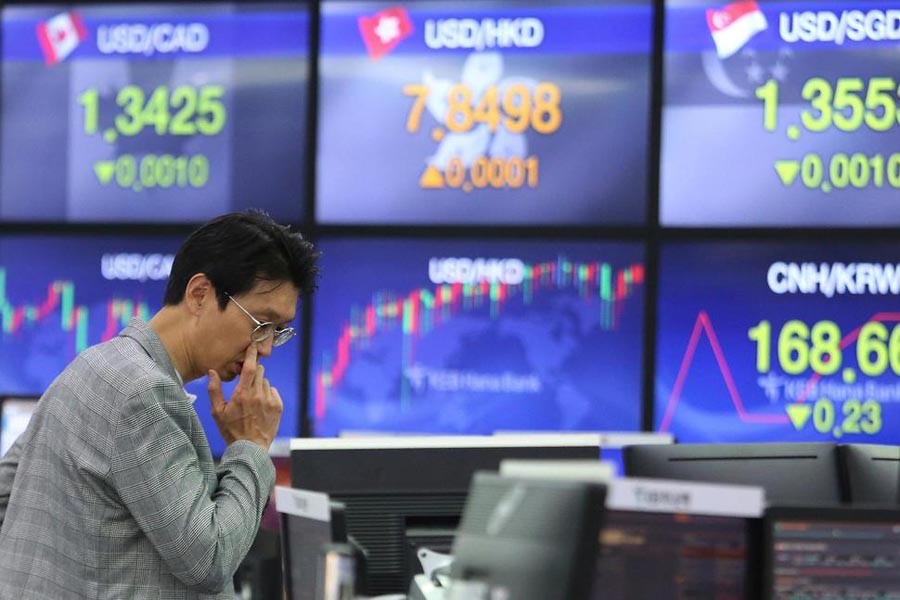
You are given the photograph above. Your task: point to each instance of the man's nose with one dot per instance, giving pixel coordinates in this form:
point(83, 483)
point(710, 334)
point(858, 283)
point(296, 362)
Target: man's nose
point(264, 348)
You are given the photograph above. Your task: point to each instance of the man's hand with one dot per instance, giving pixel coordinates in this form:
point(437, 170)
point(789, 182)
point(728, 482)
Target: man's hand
point(254, 409)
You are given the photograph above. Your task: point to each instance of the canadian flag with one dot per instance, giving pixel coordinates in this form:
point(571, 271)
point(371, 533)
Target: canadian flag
point(735, 25)
point(384, 30)
point(60, 35)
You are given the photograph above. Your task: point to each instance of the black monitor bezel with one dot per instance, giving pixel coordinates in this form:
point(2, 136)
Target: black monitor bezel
point(637, 458)
point(851, 456)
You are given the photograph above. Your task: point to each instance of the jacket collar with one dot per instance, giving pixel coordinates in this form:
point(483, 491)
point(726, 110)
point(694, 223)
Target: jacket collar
point(141, 332)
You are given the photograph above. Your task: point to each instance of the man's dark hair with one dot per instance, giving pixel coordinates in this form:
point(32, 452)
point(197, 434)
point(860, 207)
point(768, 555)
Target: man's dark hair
point(237, 250)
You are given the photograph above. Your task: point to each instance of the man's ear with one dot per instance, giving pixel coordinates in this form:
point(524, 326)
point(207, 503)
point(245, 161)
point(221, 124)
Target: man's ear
point(199, 293)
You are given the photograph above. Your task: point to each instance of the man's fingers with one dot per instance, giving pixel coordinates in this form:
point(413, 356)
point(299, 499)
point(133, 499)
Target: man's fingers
point(249, 369)
point(214, 387)
point(260, 382)
point(276, 399)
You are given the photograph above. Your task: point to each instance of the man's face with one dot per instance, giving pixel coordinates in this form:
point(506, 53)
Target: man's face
point(227, 332)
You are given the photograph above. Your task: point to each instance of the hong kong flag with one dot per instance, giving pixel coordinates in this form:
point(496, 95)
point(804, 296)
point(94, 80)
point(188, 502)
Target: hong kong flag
point(735, 25)
point(384, 30)
point(60, 35)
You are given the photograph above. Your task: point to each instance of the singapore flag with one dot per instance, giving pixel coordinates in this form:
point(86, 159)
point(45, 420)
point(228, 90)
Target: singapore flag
point(735, 25)
point(60, 35)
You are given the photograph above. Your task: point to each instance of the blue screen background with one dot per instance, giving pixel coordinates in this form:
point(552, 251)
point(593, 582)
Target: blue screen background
point(593, 169)
point(715, 292)
point(588, 377)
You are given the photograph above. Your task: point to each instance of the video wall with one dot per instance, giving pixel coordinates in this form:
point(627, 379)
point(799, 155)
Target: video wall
point(675, 216)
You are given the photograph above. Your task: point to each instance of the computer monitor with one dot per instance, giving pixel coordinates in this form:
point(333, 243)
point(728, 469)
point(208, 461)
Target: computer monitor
point(699, 540)
point(309, 520)
point(669, 540)
point(15, 414)
point(403, 493)
point(848, 553)
point(871, 473)
point(803, 473)
point(527, 539)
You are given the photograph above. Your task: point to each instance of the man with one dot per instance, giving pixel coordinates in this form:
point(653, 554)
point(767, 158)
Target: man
point(112, 492)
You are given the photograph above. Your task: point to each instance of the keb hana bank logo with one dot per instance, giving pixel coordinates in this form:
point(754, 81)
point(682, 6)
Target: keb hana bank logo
point(59, 36)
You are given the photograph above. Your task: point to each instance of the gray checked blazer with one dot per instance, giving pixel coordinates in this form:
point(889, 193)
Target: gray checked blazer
point(112, 492)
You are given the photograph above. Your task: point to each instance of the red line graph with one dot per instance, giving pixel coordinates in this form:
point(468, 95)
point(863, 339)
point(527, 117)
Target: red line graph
point(846, 341)
point(703, 324)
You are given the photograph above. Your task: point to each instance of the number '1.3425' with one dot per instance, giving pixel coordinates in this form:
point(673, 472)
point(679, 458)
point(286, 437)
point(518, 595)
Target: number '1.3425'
point(184, 111)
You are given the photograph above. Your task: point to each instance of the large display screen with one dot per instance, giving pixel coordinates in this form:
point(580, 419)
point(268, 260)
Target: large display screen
point(153, 112)
point(484, 112)
point(781, 113)
point(463, 336)
point(61, 294)
point(779, 342)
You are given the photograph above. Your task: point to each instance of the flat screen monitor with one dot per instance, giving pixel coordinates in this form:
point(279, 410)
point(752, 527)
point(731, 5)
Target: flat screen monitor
point(871, 473)
point(847, 553)
point(403, 493)
point(698, 540)
point(801, 473)
point(669, 540)
point(309, 521)
point(153, 112)
point(528, 539)
point(15, 414)
point(486, 112)
point(780, 113)
point(60, 293)
point(763, 341)
point(471, 336)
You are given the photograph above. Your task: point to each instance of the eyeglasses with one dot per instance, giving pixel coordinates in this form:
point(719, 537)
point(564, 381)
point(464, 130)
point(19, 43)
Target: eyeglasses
point(266, 330)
